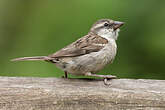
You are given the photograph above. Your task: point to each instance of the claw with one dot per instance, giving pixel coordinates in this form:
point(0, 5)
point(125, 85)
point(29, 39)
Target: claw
point(106, 82)
point(109, 78)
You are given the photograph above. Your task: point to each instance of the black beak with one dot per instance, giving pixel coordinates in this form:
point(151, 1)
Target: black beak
point(118, 24)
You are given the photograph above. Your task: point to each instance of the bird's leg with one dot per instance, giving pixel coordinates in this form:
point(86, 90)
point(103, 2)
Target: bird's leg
point(106, 77)
point(66, 75)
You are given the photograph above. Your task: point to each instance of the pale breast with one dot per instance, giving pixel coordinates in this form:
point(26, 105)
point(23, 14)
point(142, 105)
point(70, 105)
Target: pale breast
point(106, 55)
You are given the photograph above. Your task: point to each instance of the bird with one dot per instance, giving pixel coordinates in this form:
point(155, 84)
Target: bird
point(89, 54)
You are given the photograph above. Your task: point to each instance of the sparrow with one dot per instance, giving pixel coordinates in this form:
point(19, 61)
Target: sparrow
point(89, 54)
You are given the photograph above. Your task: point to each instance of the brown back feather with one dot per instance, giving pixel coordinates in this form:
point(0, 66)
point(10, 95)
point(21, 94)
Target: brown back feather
point(85, 45)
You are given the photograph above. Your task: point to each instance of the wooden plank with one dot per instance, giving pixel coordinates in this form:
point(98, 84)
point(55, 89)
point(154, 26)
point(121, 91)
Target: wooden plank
point(20, 93)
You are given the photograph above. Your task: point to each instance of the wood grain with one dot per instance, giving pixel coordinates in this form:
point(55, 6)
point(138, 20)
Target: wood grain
point(20, 93)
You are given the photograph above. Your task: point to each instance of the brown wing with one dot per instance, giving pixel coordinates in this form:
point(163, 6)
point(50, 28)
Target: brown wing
point(85, 45)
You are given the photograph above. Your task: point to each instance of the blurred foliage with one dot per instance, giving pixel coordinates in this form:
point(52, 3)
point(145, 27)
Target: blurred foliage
point(41, 27)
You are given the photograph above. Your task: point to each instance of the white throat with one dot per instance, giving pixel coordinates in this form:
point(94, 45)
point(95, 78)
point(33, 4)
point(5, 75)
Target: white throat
point(109, 34)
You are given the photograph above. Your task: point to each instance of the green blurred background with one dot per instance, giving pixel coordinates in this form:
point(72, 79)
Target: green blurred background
point(41, 27)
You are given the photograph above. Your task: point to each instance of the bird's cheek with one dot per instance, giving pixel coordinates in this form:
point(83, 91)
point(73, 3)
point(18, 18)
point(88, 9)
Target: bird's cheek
point(111, 30)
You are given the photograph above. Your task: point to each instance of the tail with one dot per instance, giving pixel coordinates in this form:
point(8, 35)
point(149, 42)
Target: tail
point(31, 58)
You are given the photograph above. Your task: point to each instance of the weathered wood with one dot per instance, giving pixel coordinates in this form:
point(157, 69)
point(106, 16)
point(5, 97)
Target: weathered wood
point(18, 93)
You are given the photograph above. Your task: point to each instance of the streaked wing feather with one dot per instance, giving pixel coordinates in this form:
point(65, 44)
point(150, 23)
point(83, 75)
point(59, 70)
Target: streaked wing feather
point(85, 45)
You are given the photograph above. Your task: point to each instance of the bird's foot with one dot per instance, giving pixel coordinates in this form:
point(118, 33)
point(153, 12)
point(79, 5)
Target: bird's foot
point(106, 77)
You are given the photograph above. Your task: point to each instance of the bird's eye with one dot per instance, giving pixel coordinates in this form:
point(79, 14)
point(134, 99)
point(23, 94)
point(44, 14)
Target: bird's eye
point(106, 24)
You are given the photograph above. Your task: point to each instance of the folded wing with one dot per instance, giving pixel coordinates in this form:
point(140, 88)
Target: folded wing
point(85, 45)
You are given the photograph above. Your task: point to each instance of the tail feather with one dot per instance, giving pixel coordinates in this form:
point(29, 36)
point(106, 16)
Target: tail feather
point(31, 58)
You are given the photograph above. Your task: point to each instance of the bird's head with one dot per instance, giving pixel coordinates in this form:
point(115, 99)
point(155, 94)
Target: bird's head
point(107, 28)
